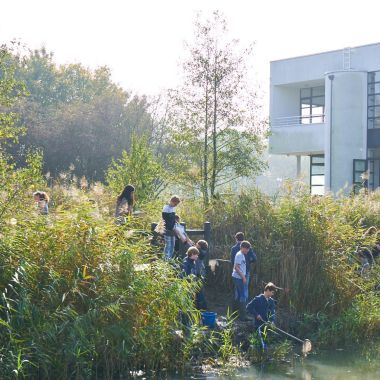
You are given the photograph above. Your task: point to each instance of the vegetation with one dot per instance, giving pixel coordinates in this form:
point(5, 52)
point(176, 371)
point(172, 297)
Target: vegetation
point(82, 297)
point(74, 115)
point(213, 116)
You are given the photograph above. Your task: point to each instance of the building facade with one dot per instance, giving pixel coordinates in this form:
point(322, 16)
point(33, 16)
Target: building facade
point(327, 106)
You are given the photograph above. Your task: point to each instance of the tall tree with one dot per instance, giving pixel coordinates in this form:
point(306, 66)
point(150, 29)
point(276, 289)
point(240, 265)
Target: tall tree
point(214, 115)
point(76, 115)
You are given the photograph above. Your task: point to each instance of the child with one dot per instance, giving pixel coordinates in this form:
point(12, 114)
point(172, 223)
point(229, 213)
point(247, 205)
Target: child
point(181, 233)
point(239, 278)
point(125, 202)
point(262, 307)
point(190, 267)
point(250, 259)
point(168, 215)
point(42, 200)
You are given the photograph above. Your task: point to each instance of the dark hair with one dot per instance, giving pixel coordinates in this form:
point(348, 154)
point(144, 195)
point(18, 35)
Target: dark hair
point(245, 244)
point(192, 251)
point(239, 236)
point(127, 194)
point(42, 196)
point(202, 244)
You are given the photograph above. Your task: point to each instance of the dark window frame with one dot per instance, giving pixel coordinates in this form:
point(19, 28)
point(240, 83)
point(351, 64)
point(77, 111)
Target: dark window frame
point(308, 100)
point(311, 170)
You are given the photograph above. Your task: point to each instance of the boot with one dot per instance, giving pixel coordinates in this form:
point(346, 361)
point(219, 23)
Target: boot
point(243, 313)
point(234, 306)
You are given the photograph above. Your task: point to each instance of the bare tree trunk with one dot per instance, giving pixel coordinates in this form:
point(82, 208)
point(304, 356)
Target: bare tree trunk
point(205, 151)
point(214, 137)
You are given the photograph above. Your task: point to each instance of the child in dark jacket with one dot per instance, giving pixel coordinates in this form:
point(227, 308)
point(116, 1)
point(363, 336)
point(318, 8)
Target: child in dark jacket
point(263, 307)
point(190, 267)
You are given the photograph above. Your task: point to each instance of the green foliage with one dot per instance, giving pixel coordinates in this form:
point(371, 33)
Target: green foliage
point(140, 168)
point(83, 296)
point(75, 115)
point(11, 90)
point(215, 134)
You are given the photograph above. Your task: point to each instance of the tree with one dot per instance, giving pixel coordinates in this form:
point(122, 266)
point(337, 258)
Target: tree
point(139, 168)
point(76, 115)
point(14, 183)
point(214, 122)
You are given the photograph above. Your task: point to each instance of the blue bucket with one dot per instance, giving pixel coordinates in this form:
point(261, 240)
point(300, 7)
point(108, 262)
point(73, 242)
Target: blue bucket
point(208, 318)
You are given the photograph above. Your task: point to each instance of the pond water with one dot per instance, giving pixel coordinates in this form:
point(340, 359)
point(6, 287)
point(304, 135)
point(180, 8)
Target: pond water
point(328, 365)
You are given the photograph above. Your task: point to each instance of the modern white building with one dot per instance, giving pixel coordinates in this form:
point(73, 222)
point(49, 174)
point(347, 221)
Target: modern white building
point(327, 106)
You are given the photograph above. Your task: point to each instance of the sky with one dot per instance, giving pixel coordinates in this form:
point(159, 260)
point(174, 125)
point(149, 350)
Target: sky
point(142, 41)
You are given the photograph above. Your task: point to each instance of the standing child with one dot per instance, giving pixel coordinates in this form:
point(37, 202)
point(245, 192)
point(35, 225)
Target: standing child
point(250, 259)
point(168, 215)
point(239, 278)
point(190, 267)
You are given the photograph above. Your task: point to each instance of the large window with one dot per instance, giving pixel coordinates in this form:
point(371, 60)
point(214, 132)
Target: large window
point(317, 175)
point(374, 100)
point(373, 168)
point(360, 175)
point(312, 105)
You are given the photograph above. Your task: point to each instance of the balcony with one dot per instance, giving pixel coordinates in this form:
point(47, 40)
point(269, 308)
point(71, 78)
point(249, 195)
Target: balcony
point(293, 135)
point(292, 121)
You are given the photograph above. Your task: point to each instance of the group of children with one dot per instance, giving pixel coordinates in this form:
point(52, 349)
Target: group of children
point(261, 307)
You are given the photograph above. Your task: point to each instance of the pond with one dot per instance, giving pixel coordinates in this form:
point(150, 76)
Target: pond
point(326, 365)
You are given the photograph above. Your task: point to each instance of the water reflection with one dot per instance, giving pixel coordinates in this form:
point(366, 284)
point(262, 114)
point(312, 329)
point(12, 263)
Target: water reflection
point(332, 365)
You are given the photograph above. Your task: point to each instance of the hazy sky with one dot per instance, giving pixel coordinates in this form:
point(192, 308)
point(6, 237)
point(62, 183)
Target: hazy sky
point(142, 40)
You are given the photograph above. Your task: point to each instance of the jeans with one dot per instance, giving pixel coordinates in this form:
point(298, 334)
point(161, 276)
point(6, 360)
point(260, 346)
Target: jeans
point(239, 290)
point(169, 246)
point(247, 277)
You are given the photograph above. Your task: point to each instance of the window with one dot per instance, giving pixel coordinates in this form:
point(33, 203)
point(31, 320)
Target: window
point(317, 175)
point(374, 100)
point(360, 175)
point(312, 102)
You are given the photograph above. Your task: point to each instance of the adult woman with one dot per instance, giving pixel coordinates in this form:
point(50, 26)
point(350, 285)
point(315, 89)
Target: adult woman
point(125, 202)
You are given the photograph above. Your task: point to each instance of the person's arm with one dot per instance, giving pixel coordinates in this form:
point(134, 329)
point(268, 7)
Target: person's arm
point(272, 311)
point(238, 270)
point(252, 258)
point(252, 308)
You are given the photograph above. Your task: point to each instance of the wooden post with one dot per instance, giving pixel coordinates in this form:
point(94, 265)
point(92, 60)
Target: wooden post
point(182, 246)
point(154, 233)
point(207, 237)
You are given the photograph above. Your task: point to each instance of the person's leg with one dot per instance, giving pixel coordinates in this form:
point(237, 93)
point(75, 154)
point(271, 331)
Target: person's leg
point(241, 299)
point(246, 285)
point(169, 246)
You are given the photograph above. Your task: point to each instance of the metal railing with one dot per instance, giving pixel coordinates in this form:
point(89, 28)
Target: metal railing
point(291, 121)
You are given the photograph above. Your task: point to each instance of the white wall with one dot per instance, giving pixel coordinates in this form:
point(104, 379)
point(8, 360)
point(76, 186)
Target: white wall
point(347, 117)
point(303, 139)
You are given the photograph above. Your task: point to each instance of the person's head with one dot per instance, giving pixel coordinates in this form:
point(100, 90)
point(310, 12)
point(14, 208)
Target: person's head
point(202, 244)
point(270, 289)
point(239, 236)
point(128, 194)
point(174, 201)
point(245, 246)
point(41, 196)
point(192, 253)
